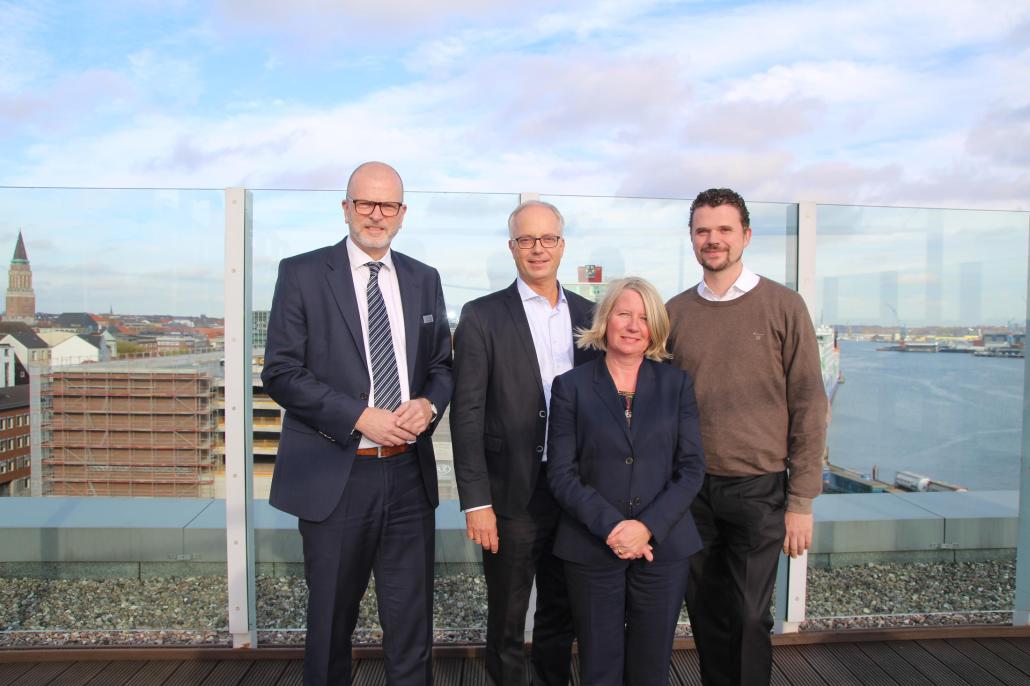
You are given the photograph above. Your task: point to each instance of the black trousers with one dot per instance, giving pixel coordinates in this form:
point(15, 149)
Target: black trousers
point(625, 615)
point(731, 580)
point(383, 525)
point(525, 549)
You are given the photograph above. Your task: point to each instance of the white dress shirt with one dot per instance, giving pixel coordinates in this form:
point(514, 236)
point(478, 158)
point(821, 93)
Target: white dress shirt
point(392, 299)
point(744, 283)
point(551, 328)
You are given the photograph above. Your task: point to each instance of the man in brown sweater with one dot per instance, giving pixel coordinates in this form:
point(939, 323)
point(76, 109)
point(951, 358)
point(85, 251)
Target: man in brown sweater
point(750, 347)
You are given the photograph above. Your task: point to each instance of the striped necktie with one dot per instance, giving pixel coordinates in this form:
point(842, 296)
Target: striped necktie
point(385, 380)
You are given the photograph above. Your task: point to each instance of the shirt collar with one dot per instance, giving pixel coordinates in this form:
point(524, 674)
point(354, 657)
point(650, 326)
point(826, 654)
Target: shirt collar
point(746, 281)
point(359, 258)
point(527, 293)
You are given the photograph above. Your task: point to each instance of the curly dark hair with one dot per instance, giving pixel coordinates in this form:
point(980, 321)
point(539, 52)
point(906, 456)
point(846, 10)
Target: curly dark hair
point(714, 197)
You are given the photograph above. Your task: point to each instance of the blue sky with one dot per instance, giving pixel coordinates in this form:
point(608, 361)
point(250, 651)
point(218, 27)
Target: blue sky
point(879, 102)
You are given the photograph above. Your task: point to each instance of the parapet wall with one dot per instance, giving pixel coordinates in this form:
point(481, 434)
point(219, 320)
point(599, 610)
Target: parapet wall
point(143, 537)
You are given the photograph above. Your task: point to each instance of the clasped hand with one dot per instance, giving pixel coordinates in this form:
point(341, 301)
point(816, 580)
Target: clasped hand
point(629, 540)
point(398, 427)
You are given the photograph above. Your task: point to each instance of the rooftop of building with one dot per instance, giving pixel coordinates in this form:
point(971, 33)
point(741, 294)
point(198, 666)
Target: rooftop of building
point(77, 320)
point(210, 362)
point(14, 396)
point(23, 333)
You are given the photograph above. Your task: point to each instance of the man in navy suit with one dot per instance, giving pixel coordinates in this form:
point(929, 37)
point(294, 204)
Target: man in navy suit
point(508, 347)
point(359, 355)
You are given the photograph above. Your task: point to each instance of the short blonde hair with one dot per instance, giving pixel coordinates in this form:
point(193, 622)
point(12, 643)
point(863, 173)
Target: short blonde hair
point(654, 309)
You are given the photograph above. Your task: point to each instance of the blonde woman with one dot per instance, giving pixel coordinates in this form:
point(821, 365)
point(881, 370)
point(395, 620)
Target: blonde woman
point(625, 462)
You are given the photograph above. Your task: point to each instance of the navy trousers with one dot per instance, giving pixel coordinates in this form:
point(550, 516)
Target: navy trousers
point(383, 525)
point(625, 615)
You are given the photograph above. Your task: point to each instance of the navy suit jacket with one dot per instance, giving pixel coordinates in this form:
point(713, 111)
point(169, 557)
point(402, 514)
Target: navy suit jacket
point(315, 368)
point(499, 414)
point(602, 471)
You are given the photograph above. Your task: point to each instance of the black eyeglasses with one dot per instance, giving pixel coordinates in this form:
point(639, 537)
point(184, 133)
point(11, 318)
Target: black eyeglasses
point(527, 242)
point(367, 207)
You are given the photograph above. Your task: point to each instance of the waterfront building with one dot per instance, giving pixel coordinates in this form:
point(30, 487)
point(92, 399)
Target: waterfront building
point(591, 284)
point(21, 299)
point(14, 441)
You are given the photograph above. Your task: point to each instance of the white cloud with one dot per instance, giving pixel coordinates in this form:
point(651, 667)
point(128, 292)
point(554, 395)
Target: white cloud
point(878, 102)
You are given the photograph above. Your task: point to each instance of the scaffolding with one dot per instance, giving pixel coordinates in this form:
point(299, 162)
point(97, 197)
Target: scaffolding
point(129, 432)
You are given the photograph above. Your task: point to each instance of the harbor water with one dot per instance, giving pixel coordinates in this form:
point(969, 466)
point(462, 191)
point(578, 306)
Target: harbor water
point(952, 417)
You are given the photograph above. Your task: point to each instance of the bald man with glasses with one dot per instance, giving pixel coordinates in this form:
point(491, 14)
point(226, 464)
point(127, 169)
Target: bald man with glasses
point(359, 355)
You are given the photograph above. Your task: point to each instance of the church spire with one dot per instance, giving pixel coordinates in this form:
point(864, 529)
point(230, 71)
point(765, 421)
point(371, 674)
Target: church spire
point(20, 255)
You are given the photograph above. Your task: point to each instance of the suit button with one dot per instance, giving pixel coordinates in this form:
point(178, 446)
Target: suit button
point(629, 460)
point(363, 396)
point(542, 414)
point(636, 501)
point(540, 448)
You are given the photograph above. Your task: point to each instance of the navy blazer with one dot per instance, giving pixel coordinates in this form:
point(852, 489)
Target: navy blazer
point(499, 415)
point(602, 471)
point(315, 368)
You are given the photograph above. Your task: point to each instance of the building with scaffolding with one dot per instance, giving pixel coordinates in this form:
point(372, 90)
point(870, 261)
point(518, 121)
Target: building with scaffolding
point(144, 427)
point(267, 418)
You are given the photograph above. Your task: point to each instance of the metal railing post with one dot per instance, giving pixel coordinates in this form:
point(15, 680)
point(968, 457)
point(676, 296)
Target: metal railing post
point(1021, 611)
point(792, 573)
point(239, 522)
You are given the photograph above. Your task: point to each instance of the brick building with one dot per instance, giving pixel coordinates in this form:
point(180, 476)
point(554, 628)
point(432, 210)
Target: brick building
point(21, 299)
point(14, 441)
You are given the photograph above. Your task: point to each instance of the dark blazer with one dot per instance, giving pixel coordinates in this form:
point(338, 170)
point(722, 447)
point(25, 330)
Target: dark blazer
point(601, 471)
point(499, 415)
point(315, 368)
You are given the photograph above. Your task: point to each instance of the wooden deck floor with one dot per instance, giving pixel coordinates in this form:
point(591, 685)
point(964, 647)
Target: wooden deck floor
point(983, 661)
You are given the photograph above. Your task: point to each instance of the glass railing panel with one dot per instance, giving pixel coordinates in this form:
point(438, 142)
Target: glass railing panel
point(464, 236)
point(650, 237)
point(112, 344)
point(930, 331)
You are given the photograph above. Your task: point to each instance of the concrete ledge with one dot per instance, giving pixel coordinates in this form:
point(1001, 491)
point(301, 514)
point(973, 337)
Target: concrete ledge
point(145, 537)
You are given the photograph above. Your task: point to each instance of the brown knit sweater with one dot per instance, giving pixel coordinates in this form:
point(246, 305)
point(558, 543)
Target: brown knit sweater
point(755, 364)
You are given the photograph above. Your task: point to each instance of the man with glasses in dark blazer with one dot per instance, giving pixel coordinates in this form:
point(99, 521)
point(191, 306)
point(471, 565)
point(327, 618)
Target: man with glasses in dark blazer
point(359, 355)
point(508, 347)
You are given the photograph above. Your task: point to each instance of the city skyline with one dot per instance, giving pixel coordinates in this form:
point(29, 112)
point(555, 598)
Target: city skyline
point(877, 266)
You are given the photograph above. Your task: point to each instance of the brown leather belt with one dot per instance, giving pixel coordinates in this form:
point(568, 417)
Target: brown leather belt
point(385, 450)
